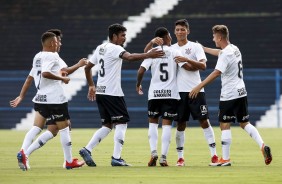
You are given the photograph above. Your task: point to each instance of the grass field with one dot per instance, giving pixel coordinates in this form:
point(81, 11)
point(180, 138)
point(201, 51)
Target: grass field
point(46, 163)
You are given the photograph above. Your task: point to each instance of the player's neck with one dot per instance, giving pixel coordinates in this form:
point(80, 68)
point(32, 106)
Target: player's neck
point(182, 42)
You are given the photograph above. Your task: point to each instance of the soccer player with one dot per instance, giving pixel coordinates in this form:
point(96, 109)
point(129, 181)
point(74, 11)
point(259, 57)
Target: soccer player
point(163, 95)
point(108, 92)
point(50, 102)
point(188, 76)
point(233, 98)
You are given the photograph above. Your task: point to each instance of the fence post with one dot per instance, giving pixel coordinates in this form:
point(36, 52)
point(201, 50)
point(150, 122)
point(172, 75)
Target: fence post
point(278, 96)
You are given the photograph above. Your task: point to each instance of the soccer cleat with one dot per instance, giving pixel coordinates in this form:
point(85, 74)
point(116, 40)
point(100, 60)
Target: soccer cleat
point(221, 162)
point(86, 155)
point(153, 161)
point(163, 161)
point(180, 162)
point(266, 154)
point(119, 162)
point(22, 160)
point(214, 159)
point(74, 164)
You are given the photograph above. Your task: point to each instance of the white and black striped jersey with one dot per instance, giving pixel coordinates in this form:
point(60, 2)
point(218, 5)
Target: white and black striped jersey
point(187, 80)
point(230, 64)
point(108, 57)
point(49, 91)
point(163, 83)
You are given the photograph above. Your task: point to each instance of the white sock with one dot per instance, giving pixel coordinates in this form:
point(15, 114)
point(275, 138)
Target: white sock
point(29, 136)
point(209, 135)
point(153, 136)
point(180, 139)
point(98, 136)
point(66, 143)
point(226, 139)
point(119, 139)
point(39, 142)
point(253, 132)
point(166, 136)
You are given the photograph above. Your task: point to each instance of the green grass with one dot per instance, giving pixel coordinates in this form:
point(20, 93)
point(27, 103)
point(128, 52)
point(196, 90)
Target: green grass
point(46, 163)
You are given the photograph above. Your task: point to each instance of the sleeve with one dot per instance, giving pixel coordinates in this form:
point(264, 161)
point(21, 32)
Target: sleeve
point(118, 51)
point(200, 53)
point(221, 64)
point(48, 63)
point(32, 72)
point(94, 58)
point(147, 63)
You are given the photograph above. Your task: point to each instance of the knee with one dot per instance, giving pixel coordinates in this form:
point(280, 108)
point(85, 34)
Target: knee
point(181, 126)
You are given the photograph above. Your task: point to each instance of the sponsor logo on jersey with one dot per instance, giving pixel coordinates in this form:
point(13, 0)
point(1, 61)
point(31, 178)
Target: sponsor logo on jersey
point(41, 98)
point(162, 93)
point(242, 91)
point(101, 89)
point(38, 63)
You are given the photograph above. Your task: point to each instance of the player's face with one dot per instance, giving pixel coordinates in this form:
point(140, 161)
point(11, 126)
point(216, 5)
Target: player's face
point(59, 43)
point(121, 37)
point(54, 44)
point(216, 39)
point(181, 32)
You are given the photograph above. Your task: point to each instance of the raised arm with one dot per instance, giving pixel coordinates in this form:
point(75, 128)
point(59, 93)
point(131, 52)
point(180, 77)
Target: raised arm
point(73, 68)
point(154, 41)
point(154, 53)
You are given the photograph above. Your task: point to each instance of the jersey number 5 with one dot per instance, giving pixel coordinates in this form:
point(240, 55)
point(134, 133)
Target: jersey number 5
point(164, 76)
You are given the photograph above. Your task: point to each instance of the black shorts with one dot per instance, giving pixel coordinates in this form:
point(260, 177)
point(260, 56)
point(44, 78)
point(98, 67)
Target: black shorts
point(165, 108)
point(53, 112)
point(197, 107)
point(112, 109)
point(231, 110)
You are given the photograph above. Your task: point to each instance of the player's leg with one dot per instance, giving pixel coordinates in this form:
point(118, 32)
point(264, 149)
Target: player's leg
point(183, 114)
point(242, 115)
point(210, 138)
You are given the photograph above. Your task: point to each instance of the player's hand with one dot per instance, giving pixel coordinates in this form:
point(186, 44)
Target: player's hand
point(157, 41)
point(139, 90)
point(91, 93)
point(66, 80)
point(194, 92)
point(82, 62)
point(180, 59)
point(155, 53)
point(14, 103)
point(63, 73)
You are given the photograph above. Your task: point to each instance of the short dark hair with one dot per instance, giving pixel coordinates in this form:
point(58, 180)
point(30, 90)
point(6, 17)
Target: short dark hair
point(182, 22)
point(161, 32)
point(57, 32)
point(115, 29)
point(222, 30)
point(45, 36)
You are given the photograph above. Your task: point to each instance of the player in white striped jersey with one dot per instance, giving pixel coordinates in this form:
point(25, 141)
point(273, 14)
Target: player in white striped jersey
point(48, 55)
point(108, 93)
point(188, 76)
point(233, 98)
point(163, 95)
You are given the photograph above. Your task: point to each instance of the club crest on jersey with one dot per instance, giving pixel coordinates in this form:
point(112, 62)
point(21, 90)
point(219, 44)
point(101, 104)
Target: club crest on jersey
point(204, 109)
point(188, 51)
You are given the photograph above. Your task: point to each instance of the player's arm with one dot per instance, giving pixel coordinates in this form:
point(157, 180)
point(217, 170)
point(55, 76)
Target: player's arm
point(49, 75)
point(211, 51)
point(190, 64)
point(154, 41)
point(154, 53)
point(73, 68)
point(25, 87)
point(209, 79)
point(140, 75)
point(88, 74)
